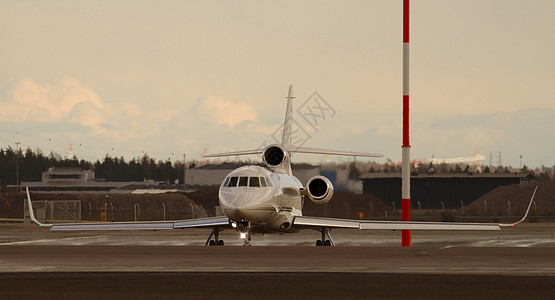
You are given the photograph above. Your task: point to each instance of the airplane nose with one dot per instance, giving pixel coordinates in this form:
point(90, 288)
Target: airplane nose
point(238, 203)
point(235, 202)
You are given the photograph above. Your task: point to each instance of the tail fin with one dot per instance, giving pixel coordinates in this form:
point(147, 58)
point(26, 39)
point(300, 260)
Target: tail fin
point(287, 139)
point(288, 124)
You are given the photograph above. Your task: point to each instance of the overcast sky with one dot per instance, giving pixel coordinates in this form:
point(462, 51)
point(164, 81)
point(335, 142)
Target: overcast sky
point(170, 77)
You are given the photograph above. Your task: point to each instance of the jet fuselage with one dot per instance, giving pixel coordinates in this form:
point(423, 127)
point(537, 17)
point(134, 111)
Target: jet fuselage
point(255, 195)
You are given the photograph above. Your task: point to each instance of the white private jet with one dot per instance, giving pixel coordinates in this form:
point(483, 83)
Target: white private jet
point(271, 200)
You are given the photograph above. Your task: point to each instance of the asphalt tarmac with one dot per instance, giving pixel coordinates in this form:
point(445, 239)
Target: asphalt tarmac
point(524, 235)
point(521, 260)
point(416, 260)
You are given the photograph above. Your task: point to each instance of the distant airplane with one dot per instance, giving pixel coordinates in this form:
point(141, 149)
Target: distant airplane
point(271, 199)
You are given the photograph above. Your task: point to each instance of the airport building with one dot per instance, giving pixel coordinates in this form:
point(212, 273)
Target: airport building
point(75, 180)
point(449, 190)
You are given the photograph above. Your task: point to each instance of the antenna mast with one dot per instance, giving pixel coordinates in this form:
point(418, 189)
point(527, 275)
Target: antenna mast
point(405, 177)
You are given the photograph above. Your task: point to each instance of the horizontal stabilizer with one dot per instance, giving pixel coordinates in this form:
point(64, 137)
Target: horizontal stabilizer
point(235, 153)
point(331, 152)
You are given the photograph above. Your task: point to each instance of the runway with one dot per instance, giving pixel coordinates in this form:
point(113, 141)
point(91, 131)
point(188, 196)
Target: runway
point(511, 264)
point(525, 235)
point(528, 250)
point(417, 260)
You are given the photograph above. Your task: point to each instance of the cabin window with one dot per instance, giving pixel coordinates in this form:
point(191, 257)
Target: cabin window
point(226, 181)
point(263, 182)
point(254, 182)
point(243, 181)
point(232, 182)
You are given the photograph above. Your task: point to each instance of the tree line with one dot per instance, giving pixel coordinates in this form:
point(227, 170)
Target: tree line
point(28, 165)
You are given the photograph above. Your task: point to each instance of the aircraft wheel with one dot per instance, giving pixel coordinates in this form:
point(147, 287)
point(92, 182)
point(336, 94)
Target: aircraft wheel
point(319, 243)
point(327, 243)
point(220, 242)
point(212, 243)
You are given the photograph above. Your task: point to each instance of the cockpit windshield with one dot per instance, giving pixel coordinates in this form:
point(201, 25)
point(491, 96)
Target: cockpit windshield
point(226, 181)
point(243, 180)
point(232, 182)
point(252, 181)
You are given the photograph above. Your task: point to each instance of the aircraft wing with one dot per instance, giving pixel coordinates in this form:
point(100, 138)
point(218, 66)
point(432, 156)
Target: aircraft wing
point(319, 222)
point(304, 221)
point(143, 225)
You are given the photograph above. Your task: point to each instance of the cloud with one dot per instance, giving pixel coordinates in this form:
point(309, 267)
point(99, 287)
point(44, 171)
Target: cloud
point(67, 101)
point(523, 132)
point(225, 112)
point(87, 114)
point(51, 115)
point(131, 109)
point(25, 100)
point(36, 113)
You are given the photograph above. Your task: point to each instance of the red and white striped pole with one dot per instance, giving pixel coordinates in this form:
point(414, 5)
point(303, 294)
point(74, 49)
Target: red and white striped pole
point(406, 235)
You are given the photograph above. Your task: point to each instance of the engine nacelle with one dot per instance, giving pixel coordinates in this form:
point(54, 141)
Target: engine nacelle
point(319, 189)
point(274, 155)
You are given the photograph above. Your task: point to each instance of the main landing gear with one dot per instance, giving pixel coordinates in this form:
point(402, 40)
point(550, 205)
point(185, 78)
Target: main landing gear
point(216, 241)
point(323, 242)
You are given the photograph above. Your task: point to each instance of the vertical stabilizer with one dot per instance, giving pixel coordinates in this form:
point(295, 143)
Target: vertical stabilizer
point(288, 124)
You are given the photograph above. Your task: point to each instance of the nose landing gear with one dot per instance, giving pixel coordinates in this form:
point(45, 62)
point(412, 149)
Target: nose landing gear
point(246, 234)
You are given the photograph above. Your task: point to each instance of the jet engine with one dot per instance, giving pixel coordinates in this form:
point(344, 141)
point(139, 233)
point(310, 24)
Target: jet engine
point(319, 189)
point(274, 155)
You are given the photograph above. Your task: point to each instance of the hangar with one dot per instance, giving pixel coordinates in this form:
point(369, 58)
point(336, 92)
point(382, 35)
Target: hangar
point(432, 190)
